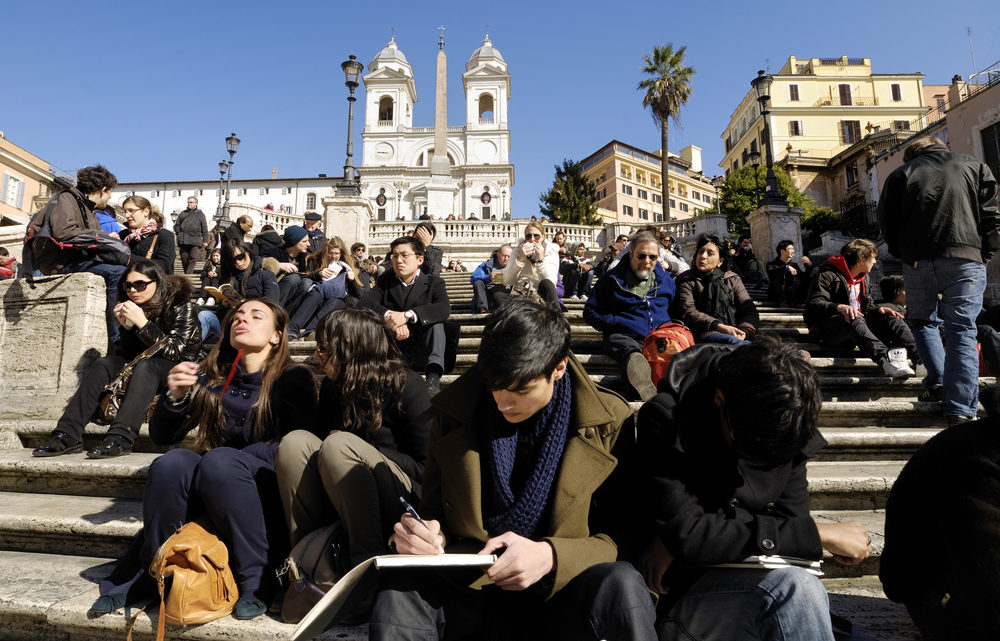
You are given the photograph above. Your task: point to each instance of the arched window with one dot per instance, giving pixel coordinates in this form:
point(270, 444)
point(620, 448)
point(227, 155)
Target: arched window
point(385, 109)
point(486, 107)
point(310, 201)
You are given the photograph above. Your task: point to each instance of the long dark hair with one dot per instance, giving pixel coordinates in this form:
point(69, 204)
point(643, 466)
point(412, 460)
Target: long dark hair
point(170, 290)
point(206, 407)
point(361, 359)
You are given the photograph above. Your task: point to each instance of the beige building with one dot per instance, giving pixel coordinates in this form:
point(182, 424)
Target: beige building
point(26, 182)
point(627, 181)
point(819, 109)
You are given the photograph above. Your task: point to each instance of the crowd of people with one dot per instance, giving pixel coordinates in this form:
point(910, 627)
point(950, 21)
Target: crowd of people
point(592, 508)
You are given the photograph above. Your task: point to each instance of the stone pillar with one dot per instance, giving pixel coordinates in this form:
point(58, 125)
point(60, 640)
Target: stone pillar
point(50, 330)
point(347, 217)
point(771, 224)
point(712, 224)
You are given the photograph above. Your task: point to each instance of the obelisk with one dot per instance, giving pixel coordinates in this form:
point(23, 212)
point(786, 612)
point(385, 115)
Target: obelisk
point(441, 187)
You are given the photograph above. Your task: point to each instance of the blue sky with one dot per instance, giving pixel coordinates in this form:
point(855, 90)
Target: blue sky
point(152, 89)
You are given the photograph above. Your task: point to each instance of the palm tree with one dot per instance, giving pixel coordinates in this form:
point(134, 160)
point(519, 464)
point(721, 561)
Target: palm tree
point(667, 90)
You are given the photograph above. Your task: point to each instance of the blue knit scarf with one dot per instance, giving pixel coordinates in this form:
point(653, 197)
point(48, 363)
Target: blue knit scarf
point(523, 463)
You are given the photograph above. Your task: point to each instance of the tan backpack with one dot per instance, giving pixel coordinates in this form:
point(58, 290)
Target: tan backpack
point(202, 587)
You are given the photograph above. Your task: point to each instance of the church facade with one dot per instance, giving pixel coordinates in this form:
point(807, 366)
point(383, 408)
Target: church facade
point(397, 158)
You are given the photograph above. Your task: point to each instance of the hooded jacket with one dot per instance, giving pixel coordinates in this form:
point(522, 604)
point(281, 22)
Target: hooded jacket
point(613, 309)
point(827, 289)
point(940, 205)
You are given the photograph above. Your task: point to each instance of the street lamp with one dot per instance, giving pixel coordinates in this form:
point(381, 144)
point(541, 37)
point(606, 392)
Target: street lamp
point(352, 72)
point(232, 144)
point(762, 86)
point(223, 166)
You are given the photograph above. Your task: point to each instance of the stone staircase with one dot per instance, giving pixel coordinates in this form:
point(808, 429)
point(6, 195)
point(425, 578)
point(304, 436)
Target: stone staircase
point(63, 520)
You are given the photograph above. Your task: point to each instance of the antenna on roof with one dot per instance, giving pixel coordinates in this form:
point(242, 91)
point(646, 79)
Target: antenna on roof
point(972, 51)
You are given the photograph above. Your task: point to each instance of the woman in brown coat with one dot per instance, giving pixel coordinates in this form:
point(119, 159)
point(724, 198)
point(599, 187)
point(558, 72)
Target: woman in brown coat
point(712, 301)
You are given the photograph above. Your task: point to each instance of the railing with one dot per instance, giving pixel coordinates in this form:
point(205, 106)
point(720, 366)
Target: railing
point(385, 123)
point(479, 232)
point(261, 216)
point(855, 102)
point(841, 61)
point(486, 121)
point(430, 130)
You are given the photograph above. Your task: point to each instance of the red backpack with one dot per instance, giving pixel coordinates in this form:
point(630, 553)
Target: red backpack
point(661, 345)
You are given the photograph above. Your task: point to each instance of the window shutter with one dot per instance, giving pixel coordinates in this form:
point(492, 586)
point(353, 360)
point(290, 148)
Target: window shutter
point(793, 92)
point(3, 188)
point(897, 93)
point(845, 94)
point(20, 195)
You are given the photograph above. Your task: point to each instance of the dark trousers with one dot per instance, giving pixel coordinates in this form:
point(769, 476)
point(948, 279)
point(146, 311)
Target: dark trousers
point(292, 288)
point(872, 340)
point(547, 290)
point(425, 346)
point(605, 601)
point(577, 283)
point(317, 303)
point(238, 494)
point(488, 296)
point(189, 256)
point(147, 379)
point(111, 275)
point(620, 347)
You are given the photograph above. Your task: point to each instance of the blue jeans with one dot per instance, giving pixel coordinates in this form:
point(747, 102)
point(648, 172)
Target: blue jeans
point(723, 339)
point(111, 274)
point(210, 323)
point(724, 604)
point(961, 285)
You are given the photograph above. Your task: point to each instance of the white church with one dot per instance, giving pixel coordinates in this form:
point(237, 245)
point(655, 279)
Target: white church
point(398, 175)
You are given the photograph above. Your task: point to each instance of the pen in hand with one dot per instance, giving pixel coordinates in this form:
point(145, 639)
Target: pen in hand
point(412, 512)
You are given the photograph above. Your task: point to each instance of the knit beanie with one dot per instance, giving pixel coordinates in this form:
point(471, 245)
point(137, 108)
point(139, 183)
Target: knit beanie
point(293, 235)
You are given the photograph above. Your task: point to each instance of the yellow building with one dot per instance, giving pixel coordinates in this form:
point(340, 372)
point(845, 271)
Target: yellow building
point(628, 189)
point(820, 108)
point(26, 182)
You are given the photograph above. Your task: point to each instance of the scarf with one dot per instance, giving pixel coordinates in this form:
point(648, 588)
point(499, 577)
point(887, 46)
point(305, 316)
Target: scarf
point(135, 235)
point(858, 285)
point(523, 462)
point(718, 297)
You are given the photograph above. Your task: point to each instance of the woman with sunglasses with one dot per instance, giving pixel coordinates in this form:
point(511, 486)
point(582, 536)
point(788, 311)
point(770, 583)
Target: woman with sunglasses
point(334, 280)
point(250, 278)
point(377, 416)
point(151, 306)
point(712, 301)
point(241, 400)
point(537, 262)
point(146, 236)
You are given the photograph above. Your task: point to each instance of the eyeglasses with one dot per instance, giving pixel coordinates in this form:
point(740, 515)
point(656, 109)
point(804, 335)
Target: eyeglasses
point(137, 285)
point(239, 257)
point(403, 256)
point(532, 236)
point(642, 257)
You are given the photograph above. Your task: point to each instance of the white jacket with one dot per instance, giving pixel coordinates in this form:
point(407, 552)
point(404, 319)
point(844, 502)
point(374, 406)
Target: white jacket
point(516, 271)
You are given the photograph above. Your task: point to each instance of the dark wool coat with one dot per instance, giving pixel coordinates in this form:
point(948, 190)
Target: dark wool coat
point(689, 304)
point(164, 251)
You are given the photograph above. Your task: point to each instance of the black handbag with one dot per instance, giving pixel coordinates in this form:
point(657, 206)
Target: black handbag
point(110, 400)
point(314, 566)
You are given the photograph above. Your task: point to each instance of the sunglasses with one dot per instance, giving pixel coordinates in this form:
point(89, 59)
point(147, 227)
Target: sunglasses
point(239, 256)
point(647, 256)
point(532, 236)
point(137, 285)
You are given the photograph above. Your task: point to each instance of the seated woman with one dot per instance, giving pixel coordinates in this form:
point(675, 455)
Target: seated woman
point(334, 280)
point(537, 262)
point(712, 301)
point(577, 272)
point(146, 236)
point(374, 442)
point(250, 279)
point(211, 276)
point(151, 306)
point(242, 400)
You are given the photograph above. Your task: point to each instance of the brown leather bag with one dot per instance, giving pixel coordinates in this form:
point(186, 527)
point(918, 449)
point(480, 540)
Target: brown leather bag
point(202, 585)
point(314, 566)
point(110, 400)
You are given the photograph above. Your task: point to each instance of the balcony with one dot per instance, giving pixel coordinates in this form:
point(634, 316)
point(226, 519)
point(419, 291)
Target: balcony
point(855, 102)
point(485, 121)
point(385, 123)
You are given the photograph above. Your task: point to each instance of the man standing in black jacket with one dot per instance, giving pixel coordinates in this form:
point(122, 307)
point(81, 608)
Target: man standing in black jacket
point(191, 229)
point(939, 216)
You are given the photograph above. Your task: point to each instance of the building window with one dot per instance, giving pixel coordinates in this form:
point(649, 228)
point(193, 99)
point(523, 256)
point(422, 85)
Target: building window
point(900, 125)
point(381, 213)
point(852, 175)
point(12, 191)
point(736, 165)
point(644, 214)
point(795, 128)
point(196, 192)
point(658, 199)
point(263, 191)
point(627, 190)
point(991, 147)
point(626, 210)
point(643, 194)
point(154, 193)
point(601, 194)
point(695, 195)
point(940, 102)
point(176, 193)
point(242, 191)
point(845, 94)
point(850, 131)
point(485, 213)
point(793, 93)
point(706, 198)
point(729, 143)
point(684, 207)
point(673, 204)
point(310, 201)
point(385, 109)
point(897, 92)
point(285, 191)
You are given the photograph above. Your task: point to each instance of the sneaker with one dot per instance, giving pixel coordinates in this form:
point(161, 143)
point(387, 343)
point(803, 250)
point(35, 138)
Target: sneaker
point(895, 364)
point(919, 370)
point(932, 395)
point(640, 377)
point(958, 419)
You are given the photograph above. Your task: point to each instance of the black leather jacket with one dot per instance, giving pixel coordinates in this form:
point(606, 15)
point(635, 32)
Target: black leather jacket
point(179, 322)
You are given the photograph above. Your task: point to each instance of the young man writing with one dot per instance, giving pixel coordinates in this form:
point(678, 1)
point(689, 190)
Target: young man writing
point(523, 461)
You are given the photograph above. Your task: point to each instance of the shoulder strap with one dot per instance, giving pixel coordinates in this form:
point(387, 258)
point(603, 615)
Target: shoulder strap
point(156, 237)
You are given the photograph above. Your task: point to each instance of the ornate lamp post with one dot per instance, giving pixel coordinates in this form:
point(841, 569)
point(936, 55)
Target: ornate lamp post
point(232, 144)
point(400, 186)
point(223, 166)
point(762, 86)
point(352, 72)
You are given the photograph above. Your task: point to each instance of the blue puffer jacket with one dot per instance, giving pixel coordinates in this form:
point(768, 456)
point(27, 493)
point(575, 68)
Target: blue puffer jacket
point(613, 309)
